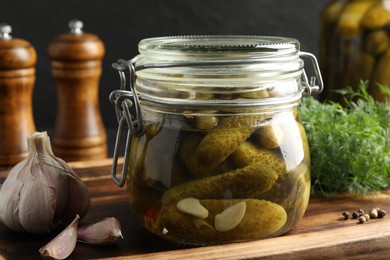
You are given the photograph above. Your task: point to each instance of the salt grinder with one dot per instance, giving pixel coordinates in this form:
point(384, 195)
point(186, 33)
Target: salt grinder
point(76, 61)
point(17, 78)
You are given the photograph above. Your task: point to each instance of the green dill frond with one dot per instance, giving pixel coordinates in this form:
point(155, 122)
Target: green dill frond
point(349, 146)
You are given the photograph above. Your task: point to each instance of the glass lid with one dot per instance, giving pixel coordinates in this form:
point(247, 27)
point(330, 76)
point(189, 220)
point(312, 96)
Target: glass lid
point(223, 46)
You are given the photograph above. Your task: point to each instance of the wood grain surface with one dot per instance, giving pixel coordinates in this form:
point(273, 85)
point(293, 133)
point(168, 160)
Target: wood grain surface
point(319, 234)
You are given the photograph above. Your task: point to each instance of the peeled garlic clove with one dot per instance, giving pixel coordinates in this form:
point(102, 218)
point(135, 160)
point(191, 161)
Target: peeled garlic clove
point(63, 244)
point(192, 207)
point(230, 217)
point(104, 232)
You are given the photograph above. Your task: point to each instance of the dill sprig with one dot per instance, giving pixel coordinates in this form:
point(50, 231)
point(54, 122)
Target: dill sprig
point(349, 145)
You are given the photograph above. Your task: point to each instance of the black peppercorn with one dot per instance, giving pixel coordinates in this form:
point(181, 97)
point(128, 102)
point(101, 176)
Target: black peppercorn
point(362, 219)
point(373, 213)
point(346, 215)
point(362, 216)
point(381, 213)
point(355, 214)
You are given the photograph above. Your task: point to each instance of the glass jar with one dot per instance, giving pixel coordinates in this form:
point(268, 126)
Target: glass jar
point(354, 46)
point(216, 151)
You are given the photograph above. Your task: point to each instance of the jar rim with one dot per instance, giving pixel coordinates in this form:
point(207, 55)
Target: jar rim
point(219, 47)
point(215, 65)
point(243, 57)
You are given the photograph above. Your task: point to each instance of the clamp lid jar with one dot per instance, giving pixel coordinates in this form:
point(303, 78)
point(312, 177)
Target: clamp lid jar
point(215, 149)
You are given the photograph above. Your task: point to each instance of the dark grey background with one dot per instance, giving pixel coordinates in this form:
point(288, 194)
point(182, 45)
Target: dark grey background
point(121, 24)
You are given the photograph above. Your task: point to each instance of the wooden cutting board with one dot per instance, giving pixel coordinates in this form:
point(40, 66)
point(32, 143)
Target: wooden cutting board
point(319, 234)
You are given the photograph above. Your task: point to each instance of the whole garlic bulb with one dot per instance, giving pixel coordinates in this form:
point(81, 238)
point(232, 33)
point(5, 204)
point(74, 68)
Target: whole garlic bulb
point(42, 191)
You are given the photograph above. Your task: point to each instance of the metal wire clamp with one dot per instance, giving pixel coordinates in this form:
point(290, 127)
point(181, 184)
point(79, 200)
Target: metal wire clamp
point(123, 100)
point(310, 86)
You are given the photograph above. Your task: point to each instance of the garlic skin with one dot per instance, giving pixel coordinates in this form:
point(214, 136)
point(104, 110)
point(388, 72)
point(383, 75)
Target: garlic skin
point(63, 244)
point(42, 191)
point(104, 232)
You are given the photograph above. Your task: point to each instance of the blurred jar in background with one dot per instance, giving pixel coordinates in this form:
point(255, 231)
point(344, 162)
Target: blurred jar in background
point(354, 46)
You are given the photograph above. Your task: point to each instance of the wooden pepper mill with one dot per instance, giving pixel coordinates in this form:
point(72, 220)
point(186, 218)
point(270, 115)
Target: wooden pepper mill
point(76, 64)
point(17, 78)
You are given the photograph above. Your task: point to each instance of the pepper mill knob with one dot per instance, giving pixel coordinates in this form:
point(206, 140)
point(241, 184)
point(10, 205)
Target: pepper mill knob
point(5, 31)
point(76, 61)
point(76, 26)
point(17, 78)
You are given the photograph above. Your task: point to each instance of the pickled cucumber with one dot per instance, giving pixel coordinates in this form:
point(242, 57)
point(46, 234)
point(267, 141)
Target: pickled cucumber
point(239, 183)
point(381, 74)
point(304, 194)
point(139, 148)
point(288, 189)
point(328, 22)
point(262, 218)
point(221, 142)
point(376, 17)
point(376, 42)
point(206, 122)
point(332, 11)
point(365, 67)
point(350, 18)
point(270, 136)
point(188, 146)
point(179, 173)
point(248, 153)
point(136, 164)
point(263, 93)
point(305, 143)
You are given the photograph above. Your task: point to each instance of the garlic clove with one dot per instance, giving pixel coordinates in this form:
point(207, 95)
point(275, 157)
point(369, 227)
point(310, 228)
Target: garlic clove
point(63, 244)
point(75, 198)
point(59, 179)
point(62, 196)
point(9, 200)
point(230, 217)
point(104, 232)
point(192, 207)
point(33, 194)
point(38, 189)
point(78, 199)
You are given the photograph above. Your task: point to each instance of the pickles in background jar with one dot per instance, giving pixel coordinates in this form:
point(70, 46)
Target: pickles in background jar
point(354, 46)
